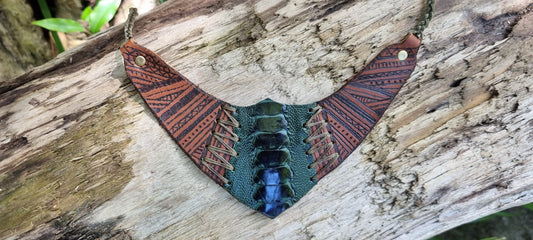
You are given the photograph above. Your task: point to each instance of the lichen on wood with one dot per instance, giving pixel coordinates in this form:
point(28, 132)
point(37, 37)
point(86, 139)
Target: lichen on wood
point(83, 168)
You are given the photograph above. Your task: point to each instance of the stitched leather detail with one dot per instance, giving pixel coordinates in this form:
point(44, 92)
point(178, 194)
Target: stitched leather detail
point(219, 149)
point(185, 111)
point(322, 147)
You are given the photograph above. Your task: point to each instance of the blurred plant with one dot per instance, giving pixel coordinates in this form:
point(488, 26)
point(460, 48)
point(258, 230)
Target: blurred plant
point(103, 12)
point(528, 206)
point(486, 219)
point(490, 238)
point(494, 215)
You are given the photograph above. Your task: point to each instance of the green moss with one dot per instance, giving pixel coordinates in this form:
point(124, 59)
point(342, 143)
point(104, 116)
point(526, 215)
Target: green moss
point(24, 46)
point(83, 167)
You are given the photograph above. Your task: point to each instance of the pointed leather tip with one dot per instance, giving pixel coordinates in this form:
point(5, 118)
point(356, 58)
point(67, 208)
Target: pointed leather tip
point(129, 43)
point(410, 41)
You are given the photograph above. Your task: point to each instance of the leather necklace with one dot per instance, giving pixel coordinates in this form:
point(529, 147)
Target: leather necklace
point(270, 154)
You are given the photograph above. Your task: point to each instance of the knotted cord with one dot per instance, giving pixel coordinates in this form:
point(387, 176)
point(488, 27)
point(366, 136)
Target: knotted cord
point(128, 25)
point(424, 19)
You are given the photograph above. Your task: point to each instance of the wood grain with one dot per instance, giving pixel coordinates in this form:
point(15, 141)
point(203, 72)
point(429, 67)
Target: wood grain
point(81, 155)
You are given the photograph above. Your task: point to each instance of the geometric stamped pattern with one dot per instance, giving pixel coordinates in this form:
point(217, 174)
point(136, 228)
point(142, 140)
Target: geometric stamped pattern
point(183, 109)
point(271, 176)
point(353, 110)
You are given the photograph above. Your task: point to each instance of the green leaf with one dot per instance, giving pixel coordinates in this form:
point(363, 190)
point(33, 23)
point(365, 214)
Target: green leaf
point(60, 25)
point(46, 13)
point(102, 13)
point(86, 12)
point(503, 214)
point(529, 206)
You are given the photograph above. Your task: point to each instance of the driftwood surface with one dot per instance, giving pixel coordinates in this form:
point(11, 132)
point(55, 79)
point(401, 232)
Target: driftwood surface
point(81, 154)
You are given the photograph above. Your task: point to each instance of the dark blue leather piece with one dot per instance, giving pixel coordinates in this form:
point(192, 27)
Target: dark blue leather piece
point(271, 158)
point(271, 140)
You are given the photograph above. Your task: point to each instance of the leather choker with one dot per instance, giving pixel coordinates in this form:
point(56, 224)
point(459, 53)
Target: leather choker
point(270, 154)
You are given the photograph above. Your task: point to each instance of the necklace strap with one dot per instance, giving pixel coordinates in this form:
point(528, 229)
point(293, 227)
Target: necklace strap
point(128, 25)
point(424, 19)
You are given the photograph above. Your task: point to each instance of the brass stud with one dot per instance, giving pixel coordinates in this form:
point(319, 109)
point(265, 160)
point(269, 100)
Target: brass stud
point(140, 61)
point(402, 55)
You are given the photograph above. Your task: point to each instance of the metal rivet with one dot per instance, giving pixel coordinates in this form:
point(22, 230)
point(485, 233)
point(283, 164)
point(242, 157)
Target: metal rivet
point(140, 61)
point(402, 55)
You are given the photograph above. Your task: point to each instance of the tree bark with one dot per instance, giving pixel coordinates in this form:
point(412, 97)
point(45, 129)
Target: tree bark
point(82, 156)
point(22, 45)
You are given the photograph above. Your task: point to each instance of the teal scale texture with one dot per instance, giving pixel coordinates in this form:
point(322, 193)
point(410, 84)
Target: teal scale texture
point(275, 130)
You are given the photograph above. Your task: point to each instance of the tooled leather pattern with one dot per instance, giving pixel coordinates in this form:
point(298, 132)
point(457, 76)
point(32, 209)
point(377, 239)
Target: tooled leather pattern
point(353, 110)
point(183, 109)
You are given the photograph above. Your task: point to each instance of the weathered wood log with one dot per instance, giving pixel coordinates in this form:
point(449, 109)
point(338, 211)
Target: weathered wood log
point(81, 155)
